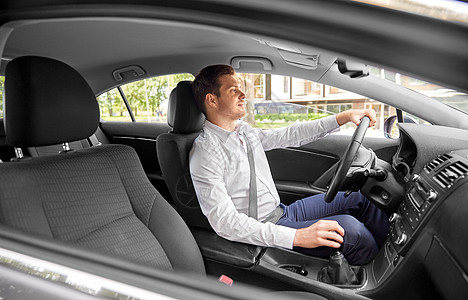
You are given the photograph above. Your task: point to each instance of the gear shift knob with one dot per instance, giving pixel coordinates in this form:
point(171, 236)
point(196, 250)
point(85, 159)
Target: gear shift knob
point(338, 271)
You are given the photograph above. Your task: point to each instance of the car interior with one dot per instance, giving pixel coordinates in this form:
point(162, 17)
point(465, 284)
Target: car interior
point(116, 198)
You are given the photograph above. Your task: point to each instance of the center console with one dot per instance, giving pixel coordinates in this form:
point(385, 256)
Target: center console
point(425, 192)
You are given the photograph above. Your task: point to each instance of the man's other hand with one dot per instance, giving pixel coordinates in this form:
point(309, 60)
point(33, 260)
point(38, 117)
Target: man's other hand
point(323, 233)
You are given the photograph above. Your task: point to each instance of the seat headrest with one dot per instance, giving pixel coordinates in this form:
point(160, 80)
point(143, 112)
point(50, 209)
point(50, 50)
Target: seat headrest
point(183, 114)
point(47, 102)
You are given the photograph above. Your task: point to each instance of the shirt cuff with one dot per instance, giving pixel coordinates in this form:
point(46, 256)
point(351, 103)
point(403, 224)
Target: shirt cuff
point(330, 124)
point(285, 236)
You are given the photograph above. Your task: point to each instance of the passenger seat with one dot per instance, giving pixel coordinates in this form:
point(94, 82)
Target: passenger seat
point(98, 197)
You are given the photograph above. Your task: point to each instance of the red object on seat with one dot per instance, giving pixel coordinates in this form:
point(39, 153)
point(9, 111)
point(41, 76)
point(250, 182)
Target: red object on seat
point(226, 280)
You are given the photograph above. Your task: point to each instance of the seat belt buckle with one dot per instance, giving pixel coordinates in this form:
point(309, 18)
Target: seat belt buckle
point(226, 280)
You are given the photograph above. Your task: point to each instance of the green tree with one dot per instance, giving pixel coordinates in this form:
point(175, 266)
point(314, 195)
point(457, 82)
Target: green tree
point(135, 94)
point(106, 101)
point(176, 78)
point(157, 88)
point(161, 86)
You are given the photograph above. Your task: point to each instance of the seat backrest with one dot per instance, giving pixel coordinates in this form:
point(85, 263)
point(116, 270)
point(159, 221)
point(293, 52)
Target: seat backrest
point(98, 197)
point(173, 150)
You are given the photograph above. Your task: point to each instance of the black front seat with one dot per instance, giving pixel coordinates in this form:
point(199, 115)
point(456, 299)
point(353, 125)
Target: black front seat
point(98, 197)
point(173, 150)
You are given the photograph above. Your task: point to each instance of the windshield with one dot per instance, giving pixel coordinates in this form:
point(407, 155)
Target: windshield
point(450, 97)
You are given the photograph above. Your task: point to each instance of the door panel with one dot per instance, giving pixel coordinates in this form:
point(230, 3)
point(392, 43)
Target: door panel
point(141, 137)
point(302, 172)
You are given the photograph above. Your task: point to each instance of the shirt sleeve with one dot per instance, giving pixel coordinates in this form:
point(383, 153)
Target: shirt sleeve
point(297, 134)
point(207, 176)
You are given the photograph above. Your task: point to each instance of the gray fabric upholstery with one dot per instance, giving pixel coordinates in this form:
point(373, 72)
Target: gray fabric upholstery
point(97, 197)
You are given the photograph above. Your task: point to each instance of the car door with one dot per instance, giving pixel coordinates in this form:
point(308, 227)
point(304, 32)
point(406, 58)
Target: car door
point(305, 171)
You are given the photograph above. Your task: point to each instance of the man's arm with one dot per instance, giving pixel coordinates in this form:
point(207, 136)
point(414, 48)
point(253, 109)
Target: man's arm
point(207, 176)
point(296, 134)
point(301, 133)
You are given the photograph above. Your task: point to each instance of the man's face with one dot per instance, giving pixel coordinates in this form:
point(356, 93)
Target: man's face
point(231, 98)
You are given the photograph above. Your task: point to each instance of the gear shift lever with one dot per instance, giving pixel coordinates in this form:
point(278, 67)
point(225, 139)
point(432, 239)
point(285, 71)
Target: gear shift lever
point(338, 271)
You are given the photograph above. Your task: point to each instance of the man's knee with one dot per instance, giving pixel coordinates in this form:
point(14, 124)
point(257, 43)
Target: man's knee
point(359, 246)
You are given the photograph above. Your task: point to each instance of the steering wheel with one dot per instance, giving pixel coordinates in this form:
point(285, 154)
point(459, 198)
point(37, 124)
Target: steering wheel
point(348, 157)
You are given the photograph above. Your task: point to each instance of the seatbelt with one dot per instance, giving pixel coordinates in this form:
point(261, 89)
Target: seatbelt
point(94, 141)
point(253, 182)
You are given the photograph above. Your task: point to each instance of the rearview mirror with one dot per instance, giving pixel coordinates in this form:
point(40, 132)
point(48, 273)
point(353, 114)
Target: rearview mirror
point(352, 69)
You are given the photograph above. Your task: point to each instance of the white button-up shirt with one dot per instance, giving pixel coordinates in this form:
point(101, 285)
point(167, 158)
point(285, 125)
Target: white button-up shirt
point(221, 174)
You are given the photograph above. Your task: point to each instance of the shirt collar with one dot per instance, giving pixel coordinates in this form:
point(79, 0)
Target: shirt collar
point(221, 133)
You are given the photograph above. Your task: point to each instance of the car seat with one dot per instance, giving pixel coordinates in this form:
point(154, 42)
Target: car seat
point(173, 150)
point(97, 197)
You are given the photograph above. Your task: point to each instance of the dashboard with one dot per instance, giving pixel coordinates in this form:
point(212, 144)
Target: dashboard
point(427, 248)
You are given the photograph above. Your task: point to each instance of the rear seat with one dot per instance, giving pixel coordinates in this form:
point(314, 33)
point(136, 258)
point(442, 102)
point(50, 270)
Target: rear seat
point(7, 152)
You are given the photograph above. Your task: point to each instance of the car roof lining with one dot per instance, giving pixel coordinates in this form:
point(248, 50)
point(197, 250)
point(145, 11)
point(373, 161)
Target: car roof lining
point(119, 42)
point(193, 46)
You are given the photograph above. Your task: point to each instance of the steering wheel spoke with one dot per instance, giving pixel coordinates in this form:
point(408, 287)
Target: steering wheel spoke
point(347, 160)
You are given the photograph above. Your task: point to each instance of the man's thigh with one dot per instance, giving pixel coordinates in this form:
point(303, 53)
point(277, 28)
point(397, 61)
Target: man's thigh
point(315, 207)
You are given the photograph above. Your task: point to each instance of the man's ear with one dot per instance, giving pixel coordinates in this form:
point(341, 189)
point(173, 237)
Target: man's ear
point(211, 100)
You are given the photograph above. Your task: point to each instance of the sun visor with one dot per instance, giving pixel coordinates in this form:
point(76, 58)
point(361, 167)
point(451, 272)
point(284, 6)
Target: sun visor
point(300, 60)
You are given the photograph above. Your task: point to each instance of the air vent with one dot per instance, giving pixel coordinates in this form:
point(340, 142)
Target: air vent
point(437, 162)
point(449, 175)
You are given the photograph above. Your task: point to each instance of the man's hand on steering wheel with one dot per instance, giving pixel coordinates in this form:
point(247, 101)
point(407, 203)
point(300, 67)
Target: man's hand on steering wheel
point(355, 116)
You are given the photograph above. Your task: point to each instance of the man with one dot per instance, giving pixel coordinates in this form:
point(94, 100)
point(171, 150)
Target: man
point(220, 170)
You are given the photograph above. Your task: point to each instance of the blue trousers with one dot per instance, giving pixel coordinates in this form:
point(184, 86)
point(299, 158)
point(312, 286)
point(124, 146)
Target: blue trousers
point(366, 226)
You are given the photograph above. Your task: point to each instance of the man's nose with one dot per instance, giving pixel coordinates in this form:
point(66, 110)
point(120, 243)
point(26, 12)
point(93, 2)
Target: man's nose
point(242, 95)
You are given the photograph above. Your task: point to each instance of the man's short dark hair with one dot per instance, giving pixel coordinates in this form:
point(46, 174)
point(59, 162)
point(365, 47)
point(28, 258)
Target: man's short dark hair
point(207, 81)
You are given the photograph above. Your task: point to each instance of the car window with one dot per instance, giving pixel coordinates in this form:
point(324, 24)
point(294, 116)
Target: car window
point(113, 107)
point(147, 99)
point(275, 101)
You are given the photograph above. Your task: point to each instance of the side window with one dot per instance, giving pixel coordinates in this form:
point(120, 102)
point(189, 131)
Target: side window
point(285, 99)
point(113, 107)
point(147, 99)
